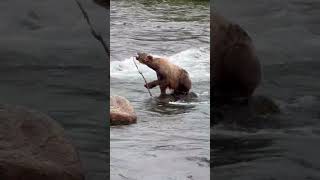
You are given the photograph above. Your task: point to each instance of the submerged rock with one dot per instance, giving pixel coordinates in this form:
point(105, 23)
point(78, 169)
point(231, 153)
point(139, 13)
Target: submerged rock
point(121, 111)
point(34, 147)
point(263, 105)
point(246, 112)
point(172, 97)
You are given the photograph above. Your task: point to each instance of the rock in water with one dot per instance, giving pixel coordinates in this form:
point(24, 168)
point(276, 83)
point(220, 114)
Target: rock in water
point(33, 147)
point(166, 98)
point(246, 112)
point(121, 111)
point(172, 97)
point(262, 105)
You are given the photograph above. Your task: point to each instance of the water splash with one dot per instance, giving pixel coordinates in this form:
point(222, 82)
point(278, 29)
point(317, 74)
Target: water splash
point(196, 61)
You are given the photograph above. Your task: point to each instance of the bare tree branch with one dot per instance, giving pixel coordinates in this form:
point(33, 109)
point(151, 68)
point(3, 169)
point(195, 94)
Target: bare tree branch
point(141, 75)
point(93, 32)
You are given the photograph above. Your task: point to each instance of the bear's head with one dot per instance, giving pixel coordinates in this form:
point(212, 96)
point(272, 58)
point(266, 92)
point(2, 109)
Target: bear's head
point(144, 58)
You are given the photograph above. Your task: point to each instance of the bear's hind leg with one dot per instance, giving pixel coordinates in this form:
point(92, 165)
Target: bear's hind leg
point(183, 88)
point(163, 88)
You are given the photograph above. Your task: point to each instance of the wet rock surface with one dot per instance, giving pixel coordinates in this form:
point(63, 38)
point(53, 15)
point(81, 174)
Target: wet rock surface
point(252, 111)
point(121, 111)
point(172, 97)
point(33, 147)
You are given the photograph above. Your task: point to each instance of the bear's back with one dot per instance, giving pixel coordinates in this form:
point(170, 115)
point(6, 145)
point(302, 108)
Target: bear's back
point(236, 68)
point(170, 71)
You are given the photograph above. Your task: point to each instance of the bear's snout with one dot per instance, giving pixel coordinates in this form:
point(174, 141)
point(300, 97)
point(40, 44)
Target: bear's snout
point(138, 56)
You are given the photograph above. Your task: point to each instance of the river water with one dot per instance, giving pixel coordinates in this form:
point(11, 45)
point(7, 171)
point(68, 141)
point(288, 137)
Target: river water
point(169, 141)
point(286, 146)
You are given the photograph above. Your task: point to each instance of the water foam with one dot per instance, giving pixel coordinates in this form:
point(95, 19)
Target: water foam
point(196, 61)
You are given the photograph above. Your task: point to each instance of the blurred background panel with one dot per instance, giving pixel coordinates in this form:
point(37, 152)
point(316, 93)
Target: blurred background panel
point(280, 146)
point(49, 61)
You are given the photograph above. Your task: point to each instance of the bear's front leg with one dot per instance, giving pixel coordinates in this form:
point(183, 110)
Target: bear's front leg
point(152, 84)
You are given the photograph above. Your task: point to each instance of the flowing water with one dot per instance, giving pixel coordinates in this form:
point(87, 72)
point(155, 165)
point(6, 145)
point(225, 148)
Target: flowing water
point(287, 39)
point(169, 141)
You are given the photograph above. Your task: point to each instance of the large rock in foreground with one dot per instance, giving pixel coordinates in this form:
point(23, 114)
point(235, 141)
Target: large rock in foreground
point(121, 111)
point(33, 147)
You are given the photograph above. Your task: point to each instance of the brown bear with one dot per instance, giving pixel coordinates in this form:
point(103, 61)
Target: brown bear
point(169, 75)
point(236, 68)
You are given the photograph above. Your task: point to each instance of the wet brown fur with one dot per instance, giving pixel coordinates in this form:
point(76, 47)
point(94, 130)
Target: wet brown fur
point(169, 75)
point(236, 68)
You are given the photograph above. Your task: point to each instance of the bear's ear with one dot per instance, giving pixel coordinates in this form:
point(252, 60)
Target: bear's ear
point(149, 58)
